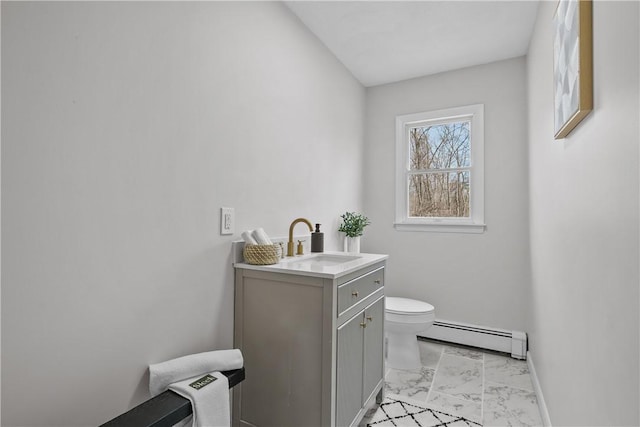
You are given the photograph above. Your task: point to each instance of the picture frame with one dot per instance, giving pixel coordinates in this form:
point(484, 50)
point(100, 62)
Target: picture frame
point(572, 65)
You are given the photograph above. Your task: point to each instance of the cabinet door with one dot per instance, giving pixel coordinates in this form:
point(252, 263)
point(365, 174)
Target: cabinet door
point(349, 370)
point(373, 364)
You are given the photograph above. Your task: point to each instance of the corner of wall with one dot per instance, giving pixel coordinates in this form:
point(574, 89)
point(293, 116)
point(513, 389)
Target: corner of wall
point(544, 412)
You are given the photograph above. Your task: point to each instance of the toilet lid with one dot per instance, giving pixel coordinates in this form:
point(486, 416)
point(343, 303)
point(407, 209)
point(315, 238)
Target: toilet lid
point(407, 306)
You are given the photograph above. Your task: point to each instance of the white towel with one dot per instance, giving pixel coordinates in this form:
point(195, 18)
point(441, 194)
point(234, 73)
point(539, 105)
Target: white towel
point(246, 236)
point(165, 373)
point(209, 396)
point(261, 237)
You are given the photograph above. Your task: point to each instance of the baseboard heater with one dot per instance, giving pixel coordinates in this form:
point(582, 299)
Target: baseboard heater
point(512, 342)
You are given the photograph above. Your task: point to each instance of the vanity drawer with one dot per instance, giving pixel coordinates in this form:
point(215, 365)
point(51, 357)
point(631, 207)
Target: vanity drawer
point(358, 289)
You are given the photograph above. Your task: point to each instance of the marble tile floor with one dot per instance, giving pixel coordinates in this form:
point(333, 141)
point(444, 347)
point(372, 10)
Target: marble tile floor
point(487, 388)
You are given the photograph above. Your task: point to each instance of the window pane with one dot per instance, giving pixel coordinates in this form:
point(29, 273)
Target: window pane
point(439, 195)
point(440, 146)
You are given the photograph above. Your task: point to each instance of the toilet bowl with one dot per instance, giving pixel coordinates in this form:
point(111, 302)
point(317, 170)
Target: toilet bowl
point(404, 318)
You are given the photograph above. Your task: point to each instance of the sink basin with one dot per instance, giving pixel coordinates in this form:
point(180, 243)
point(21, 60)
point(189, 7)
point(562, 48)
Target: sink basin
point(329, 260)
point(321, 260)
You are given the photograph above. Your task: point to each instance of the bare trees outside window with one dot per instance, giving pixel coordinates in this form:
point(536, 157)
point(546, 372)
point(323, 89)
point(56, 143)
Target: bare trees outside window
point(439, 170)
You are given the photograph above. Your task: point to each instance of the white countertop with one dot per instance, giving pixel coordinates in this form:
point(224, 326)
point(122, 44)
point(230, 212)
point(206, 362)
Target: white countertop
point(303, 265)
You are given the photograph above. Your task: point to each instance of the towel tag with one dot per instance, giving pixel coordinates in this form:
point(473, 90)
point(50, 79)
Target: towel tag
point(203, 382)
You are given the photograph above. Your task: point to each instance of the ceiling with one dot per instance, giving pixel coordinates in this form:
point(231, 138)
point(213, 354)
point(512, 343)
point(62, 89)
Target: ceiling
point(388, 41)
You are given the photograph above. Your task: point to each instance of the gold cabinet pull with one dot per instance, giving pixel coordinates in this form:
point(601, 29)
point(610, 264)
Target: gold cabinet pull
point(354, 294)
point(377, 282)
point(363, 324)
point(370, 319)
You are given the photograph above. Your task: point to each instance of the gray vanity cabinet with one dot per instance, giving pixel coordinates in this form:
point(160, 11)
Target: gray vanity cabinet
point(312, 346)
point(373, 356)
point(360, 361)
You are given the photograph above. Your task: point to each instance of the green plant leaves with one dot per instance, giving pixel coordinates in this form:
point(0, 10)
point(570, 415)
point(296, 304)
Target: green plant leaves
point(353, 224)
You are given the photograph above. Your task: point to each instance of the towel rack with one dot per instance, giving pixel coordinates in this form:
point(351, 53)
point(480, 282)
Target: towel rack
point(165, 409)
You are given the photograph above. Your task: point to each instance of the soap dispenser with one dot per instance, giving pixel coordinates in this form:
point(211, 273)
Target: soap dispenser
point(317, 240)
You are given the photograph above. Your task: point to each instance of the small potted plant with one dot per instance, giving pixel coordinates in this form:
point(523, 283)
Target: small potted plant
point(352, 226)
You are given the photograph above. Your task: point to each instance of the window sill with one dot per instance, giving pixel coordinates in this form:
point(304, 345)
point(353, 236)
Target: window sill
point(441, 227)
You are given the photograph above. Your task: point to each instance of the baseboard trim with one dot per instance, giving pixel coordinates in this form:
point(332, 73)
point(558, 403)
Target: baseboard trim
point(544, 413)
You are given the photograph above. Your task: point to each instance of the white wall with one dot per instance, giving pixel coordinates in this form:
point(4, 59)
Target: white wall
point(474, 278)
point(584, 229)
point(126, 126)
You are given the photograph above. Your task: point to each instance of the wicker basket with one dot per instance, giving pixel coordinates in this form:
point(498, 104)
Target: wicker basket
point(262, 254)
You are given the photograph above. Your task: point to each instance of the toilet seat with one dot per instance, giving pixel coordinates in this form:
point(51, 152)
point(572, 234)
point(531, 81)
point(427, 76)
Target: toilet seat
point(407, 306)
point(406, 310)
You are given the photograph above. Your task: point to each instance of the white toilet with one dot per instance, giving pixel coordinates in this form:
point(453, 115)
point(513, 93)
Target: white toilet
point(404, 319)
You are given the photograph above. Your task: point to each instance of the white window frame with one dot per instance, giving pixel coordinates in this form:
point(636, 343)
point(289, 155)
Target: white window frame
point(475, 222)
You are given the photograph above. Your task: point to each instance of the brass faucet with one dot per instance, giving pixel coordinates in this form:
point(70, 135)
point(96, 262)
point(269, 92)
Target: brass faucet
point(290, 243)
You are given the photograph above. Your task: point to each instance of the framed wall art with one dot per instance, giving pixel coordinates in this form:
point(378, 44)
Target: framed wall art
point(572, 65)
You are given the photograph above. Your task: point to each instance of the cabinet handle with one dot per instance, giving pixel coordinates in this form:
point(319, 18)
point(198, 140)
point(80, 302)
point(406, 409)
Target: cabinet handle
point(377, 282)
point(363, 324)
point(370, 319)
point(354, 294)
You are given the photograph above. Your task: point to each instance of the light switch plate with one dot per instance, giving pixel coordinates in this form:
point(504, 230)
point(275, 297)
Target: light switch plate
point(227, 221)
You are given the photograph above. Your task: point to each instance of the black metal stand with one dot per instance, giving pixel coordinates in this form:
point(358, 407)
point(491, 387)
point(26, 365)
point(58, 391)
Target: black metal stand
point(165, 409)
